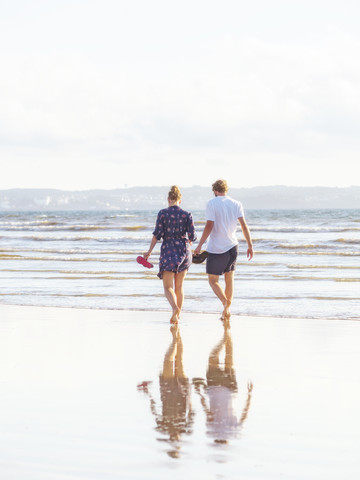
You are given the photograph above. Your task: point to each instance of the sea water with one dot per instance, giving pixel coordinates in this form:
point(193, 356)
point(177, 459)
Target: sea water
point(306, 263)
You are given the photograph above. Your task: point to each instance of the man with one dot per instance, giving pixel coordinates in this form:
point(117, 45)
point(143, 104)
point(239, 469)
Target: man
point(222, 216)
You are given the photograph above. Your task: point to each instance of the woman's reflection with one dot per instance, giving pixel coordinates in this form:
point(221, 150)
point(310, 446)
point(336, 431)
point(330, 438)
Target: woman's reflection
point(176, 417)
point(223, 422)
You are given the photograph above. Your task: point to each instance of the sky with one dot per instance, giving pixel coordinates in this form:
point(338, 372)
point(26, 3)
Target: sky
point(112, 93)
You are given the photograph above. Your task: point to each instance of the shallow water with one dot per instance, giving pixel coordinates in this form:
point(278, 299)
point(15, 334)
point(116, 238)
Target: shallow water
point(89, 394)
point(306, 264)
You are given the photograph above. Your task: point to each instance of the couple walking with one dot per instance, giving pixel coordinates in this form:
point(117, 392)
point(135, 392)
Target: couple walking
point(175, 227)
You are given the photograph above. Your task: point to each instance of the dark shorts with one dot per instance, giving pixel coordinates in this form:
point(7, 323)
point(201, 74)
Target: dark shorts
point(225, 378)
point(220, 263)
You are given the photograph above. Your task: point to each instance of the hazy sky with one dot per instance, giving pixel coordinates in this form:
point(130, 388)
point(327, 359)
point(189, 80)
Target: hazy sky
point(99, 94)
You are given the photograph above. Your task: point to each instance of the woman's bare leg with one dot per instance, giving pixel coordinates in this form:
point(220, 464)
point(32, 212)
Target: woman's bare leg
point(170, 355)
point(179, 288)
point(168, 282)
point(179, 367)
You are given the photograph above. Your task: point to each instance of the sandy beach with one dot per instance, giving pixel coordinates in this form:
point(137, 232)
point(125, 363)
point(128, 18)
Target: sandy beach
point(109, 394)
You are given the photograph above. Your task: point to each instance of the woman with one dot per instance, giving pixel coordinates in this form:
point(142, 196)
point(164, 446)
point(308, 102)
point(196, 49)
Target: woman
point(175, 416)
point(176, 227)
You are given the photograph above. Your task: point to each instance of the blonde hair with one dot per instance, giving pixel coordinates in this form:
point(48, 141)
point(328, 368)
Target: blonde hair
point(174, 194)
point(220, 186)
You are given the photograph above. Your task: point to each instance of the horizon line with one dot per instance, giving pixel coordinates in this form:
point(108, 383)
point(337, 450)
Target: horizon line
point(128, 187)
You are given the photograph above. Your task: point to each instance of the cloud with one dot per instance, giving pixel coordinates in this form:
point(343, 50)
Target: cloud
point(134, 90)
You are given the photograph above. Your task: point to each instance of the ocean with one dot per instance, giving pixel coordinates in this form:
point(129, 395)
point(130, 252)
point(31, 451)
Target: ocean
point(306, 263)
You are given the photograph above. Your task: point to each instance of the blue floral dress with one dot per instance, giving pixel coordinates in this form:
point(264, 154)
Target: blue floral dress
point(176, 227)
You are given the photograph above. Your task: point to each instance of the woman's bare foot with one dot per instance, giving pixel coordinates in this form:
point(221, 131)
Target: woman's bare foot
point(175, 316)
point(174, 329)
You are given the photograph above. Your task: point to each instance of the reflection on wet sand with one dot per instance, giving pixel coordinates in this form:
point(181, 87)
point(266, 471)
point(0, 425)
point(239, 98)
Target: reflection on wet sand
point(176, 417)
point(219, 395)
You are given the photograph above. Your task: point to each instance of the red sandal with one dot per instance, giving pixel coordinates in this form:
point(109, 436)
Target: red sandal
point(144, 262)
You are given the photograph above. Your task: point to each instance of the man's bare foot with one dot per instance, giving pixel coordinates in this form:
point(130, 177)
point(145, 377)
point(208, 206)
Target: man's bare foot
point(226, 312)
point(226, 324)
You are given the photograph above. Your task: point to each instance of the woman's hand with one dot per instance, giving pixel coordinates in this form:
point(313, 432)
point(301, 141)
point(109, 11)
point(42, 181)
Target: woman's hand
point(147, 255)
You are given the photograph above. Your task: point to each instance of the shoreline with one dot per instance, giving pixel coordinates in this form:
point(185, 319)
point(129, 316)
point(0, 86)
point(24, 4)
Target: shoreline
point(185, 312)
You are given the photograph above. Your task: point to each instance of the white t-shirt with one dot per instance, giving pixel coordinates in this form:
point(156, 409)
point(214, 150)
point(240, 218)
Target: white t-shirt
point(224, 424)
point(224, 211)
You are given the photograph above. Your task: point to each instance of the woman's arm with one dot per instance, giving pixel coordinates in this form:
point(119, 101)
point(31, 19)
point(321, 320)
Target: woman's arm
point(191, 229)
point(152, 245)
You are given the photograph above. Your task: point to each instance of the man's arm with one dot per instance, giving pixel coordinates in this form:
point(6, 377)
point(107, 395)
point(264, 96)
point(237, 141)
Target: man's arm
point(207, 230)
point(247, 235)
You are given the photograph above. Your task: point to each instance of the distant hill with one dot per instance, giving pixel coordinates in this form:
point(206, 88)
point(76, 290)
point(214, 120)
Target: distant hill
point(194, 198)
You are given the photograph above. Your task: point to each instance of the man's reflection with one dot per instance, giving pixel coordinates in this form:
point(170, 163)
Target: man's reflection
point(223, 422)
point(176, 417)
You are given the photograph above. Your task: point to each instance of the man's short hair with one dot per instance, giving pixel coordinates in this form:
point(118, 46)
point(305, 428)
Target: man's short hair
point(220, 186)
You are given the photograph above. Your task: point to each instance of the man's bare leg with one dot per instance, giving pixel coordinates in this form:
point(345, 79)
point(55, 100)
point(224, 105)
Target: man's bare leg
point(229, 291)
point(219, 292)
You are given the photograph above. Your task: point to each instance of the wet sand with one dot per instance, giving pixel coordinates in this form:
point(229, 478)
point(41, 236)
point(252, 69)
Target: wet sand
point(98, 394)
